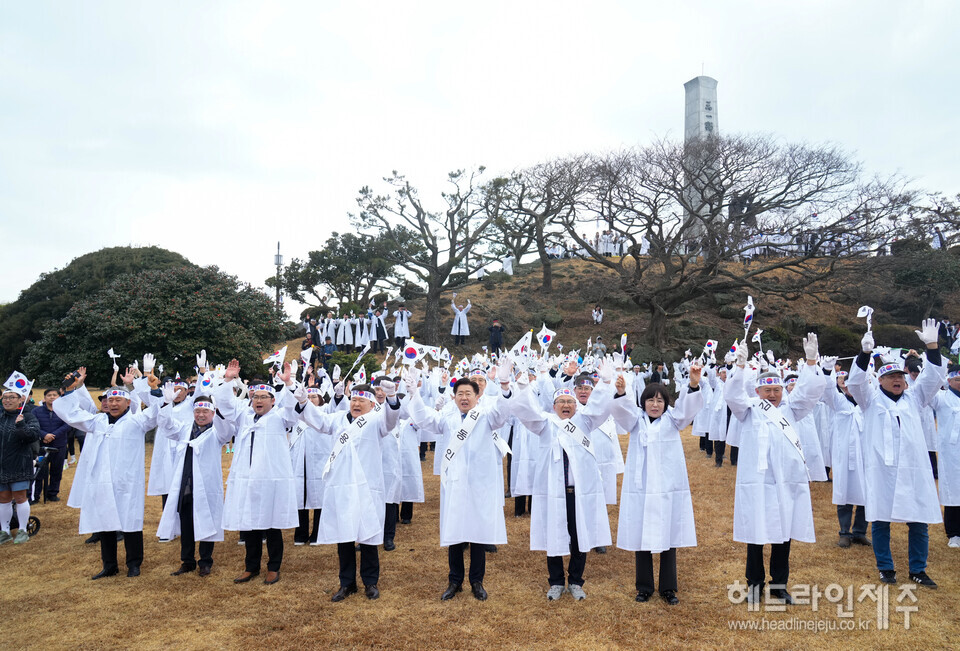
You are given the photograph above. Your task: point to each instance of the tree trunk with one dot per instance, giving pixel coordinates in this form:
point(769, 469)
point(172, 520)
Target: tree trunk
point(547, 264)
point(657, 330)
point(431, 318)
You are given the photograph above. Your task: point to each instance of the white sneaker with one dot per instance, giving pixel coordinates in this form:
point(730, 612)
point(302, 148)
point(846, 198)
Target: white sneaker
point(954, 542)
point(66, 464)
point(554, 592)
point(164, 540)
point(577, 592)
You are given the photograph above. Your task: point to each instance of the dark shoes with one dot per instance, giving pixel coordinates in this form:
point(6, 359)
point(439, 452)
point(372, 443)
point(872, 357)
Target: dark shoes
point(643, 597)
point(344, 592)
point(94, 538)
point(921, 578)
point(372, 591)
point(781, 595)
point(246, 576)
point(451, 590)
point(845, 541)
point(490, 549)
point(184, 569)
point(599, 550)
point(405, 521)
point(272, 577)
point(888, 576)
point(104, 573)
point(133, 571)
point(478, 591)
point(203, 571)
point(53, 498)
point(388, 545)
point(670, 597)
point(862, 540)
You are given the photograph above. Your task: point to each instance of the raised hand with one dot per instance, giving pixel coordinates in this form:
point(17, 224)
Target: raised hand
point(149, 362)
point(866, 344)
point(811, 349)
point(929, 332)
point(233, 370)
point(169, 393)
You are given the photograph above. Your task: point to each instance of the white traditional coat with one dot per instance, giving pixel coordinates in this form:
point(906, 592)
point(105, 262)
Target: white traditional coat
point(108, 487)
point(947, 404)
point(401, 323)
point(309, 450)
point(656, 509)
point(460, 325)
point(206, 460)
point(772, 499)
point(471, 495)
point(847, 468)
point(161, 459)
point(548, 511)
point(897, 476)
point(411, 470)
point(523, 458)
point(810, 440)
point(261, 491)
point(354, 504)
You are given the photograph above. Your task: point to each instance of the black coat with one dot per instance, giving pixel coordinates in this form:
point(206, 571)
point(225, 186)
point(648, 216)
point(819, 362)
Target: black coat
point(16, 439)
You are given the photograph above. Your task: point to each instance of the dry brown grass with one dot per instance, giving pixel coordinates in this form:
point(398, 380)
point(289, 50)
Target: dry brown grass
point(50, 602)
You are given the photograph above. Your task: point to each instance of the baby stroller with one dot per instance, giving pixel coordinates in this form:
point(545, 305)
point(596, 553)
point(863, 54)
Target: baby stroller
point(33, 524)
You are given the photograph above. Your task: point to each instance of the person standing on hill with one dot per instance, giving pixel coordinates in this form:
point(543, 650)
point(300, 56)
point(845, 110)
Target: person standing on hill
point(461, 329)
point(401, 325)
point(495, 342)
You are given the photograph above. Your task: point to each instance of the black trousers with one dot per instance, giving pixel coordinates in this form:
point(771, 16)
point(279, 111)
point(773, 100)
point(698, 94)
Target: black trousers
point(369, 564)
point(707, 445)
point(578, 559)
point(132, 547)
point(379, 345)
point(303, 533)
point(522, 504)
point(779, 564)
point(423, 450)
point(933, 462)
point(72, 437)
point(951, 520)
point(734, 453)
point(399, 341)
point(406, 510)
point(390, 521)
point(253, 543)
point(187, 540)
point(720, 447)
point(458, 340)
point(478, 562)
point(668, 571)
point(52, 473)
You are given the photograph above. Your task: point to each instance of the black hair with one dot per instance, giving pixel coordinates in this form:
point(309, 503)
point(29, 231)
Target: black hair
point(652, 390)
point(465, 381)
point(48, 390)
point(912, 365)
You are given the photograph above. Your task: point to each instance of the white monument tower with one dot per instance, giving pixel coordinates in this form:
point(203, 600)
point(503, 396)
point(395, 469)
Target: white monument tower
point(701, 114)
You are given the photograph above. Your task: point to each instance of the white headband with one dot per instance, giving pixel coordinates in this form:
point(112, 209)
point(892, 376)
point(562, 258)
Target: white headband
point(203, 404)
point(366, 395)
point(117, 393)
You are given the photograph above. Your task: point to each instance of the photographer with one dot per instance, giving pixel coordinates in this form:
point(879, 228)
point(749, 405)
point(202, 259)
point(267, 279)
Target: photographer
point(18, 432)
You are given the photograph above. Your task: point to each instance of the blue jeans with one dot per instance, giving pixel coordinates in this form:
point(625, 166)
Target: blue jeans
point(917, 547)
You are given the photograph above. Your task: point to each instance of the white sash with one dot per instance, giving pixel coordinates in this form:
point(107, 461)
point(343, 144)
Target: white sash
point(349, 434)
point(458, 439)
point(569, 435)
point(776, 418)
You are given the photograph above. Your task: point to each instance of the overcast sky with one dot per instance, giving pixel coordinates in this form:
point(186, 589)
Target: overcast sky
point(215, 129)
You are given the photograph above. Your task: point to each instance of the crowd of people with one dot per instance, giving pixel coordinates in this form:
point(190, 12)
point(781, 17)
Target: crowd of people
point(350, 453)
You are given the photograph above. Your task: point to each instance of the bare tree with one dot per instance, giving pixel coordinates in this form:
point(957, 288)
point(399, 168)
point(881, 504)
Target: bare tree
point(727, 214)
point(432, 245)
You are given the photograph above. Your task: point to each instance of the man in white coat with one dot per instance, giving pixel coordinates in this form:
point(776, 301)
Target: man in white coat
point(401, 325)
point(261, 492)
point(569, 515)
point(471, 476)
point(353, 499)
point(108, 487)
point(196, 512)
point(772, 496)
point(460, 329)
point(947, 404)
point(899, 486)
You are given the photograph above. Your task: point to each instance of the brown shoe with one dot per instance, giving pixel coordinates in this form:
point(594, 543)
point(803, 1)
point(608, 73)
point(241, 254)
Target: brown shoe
point(272, 577)
point(246, 576)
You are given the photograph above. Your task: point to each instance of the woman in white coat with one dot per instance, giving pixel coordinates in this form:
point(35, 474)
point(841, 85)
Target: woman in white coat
point(309, 451)
point(656, 509)
point(460, 329)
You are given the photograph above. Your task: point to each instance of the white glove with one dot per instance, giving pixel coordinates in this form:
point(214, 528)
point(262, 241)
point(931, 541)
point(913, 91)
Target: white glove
point(201, 359)
point(300, 393)
point(160, 370)
point(523, 379)
point(828, 363)
point(729, 358)
point(929, 331)
point(866, 344)
point(336, 374)
point(606, 372)
point(742, 355)
point(115, 367)
point(771, 357)
point(169, 393)
point(543, 365)
point(505, 371)
point(441, 401)
point(389, 388)
point(149, 361)
point(338, 389)
point(136, 363)
point(411, 379)
point(293, 369)
point(811, 349)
